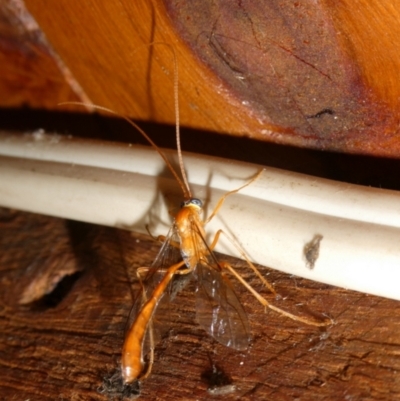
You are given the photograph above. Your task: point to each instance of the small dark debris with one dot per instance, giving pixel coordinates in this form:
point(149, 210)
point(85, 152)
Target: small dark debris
point(311, 250)
point(321, 113)
point(115, 389)
point(219, 382)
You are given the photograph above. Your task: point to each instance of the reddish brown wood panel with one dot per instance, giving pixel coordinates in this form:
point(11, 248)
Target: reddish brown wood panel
point(322, 75)
point(32, 74)
point(317, 74)
point(64, 346)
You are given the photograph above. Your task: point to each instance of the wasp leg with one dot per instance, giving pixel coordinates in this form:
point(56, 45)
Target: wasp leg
point(259, 297)
point(244, 256)
point(222, 199)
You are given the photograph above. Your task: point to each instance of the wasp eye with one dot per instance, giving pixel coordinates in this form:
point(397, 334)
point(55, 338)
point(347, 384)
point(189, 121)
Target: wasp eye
point(196, 202)
point(192, 202)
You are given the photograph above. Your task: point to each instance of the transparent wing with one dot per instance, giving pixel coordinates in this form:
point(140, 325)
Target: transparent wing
point(218, 309)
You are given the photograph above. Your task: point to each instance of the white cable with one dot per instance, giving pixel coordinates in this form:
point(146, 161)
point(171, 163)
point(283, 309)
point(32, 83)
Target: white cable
point(273, 219)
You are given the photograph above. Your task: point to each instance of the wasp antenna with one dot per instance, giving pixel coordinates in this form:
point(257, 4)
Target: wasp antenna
point(187, 193)
point(182, 184)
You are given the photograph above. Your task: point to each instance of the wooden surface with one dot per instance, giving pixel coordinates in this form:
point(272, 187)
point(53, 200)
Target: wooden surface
point(66, 345)
point(32, 74)
point(318, 75)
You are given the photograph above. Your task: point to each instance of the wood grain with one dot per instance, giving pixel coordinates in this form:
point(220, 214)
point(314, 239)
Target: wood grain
point(68, 347)
point(318, 75)
point(63, 341)
point(32, 74)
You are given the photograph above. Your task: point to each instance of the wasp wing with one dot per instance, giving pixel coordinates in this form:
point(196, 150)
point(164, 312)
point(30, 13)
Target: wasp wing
point(218, 309)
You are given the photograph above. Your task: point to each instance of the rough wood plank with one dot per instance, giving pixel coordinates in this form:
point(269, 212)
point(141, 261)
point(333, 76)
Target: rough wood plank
point(64, 350)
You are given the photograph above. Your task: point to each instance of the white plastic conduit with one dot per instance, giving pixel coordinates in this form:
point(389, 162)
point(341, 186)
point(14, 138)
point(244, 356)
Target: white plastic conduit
point(273, 219)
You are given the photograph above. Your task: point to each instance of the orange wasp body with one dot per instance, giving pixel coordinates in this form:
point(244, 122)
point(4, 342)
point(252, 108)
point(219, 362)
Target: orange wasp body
point(218, 309)
point(197, 256)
